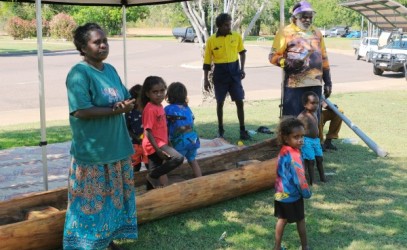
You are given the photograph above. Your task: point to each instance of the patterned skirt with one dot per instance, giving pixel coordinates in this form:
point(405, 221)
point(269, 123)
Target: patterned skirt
point(101, 205)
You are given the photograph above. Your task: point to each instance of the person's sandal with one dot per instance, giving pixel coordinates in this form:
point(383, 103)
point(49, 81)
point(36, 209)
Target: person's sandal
point(220, 134)
point(328, 145)
point(244, 135)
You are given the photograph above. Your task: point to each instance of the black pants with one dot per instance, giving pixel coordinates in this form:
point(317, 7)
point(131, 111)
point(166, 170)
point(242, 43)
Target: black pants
point(159, 166)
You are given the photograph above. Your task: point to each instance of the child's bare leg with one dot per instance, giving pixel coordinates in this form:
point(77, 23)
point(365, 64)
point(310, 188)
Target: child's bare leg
point(320, 168)
point(303, 234)
point(163, 180)
point(195, 168)
point(309, 166)
point(279, 233)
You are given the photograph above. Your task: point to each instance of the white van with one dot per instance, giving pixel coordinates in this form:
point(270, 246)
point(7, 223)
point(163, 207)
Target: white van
point(366, 46)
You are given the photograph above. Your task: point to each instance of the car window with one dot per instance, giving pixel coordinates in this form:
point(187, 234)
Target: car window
point(397, 45)
point(374, 41)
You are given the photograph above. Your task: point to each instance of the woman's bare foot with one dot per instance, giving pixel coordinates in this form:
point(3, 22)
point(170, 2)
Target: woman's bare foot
point(113, 246)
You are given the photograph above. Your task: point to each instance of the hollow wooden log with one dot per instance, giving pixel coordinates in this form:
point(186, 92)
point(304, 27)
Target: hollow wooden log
point(46, 233)
point(205, 191)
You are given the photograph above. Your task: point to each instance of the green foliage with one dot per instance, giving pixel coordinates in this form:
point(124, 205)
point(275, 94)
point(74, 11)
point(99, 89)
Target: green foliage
point(110, 18)
point(168, 15)
point(19, 28)
point(62, 26)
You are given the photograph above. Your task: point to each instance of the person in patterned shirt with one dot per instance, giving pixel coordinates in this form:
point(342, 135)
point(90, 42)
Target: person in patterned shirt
point(299, 49)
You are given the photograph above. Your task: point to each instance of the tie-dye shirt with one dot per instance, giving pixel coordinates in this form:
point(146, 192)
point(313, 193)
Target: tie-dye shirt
point(291, 183)
point(293, 43)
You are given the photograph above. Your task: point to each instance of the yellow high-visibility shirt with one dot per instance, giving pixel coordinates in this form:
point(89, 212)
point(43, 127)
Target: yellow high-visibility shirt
point(223, 49)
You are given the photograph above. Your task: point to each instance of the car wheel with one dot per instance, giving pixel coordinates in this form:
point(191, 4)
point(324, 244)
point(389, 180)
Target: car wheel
point(405, 70)
point(377, 71)
point(368, 59)
point(180, 39)
point(196, 40)
point(357, 55)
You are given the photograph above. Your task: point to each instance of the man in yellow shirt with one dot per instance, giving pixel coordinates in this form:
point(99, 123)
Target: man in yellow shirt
point(224, 49)
point(299, 49)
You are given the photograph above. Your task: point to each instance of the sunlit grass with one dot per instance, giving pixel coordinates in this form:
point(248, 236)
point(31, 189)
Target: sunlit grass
point(362, 206)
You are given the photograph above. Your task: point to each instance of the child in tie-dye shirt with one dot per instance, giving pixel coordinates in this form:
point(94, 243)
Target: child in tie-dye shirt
point(290, 186)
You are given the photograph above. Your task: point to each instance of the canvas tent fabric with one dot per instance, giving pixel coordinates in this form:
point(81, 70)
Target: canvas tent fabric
point(384, 14)
point(38, 3)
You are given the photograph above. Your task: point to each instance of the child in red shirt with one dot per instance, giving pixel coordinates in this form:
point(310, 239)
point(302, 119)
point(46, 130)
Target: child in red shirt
point(162, 158)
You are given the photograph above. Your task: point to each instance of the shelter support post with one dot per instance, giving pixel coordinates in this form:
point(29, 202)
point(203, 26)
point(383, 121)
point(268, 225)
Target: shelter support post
point(43, 142)
point(124, 43)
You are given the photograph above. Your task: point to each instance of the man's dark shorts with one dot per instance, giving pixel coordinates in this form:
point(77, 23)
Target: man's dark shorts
point(227, 78)
point(292, 212)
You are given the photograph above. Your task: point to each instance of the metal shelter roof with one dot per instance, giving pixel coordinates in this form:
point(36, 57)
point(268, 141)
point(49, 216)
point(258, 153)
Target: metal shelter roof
point(385, 14)
point(100, 2)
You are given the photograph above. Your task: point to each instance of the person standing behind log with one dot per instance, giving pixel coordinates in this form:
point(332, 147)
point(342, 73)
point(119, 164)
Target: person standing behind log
point(299, 49)
point(101, 195)
point(180, 121)
point(291, 187)
point(135, 127)
point(311, 151)
point(223, 49)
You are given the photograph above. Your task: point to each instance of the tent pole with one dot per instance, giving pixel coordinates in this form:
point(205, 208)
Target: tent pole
point(43, 142)
point(282, 24)
point(124, 21)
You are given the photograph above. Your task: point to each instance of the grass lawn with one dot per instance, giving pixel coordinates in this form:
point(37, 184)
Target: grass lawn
point(361, 207)
point(8, 45)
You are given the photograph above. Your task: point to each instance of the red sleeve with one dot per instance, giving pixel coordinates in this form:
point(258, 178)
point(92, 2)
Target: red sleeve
point(148, 117)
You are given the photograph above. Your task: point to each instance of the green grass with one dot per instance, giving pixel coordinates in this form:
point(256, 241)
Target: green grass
point(361, 207)
point(30, 134)
point(8, 45)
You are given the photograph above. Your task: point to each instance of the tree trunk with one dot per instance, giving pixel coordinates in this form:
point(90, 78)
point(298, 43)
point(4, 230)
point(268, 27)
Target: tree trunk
point(255, 18)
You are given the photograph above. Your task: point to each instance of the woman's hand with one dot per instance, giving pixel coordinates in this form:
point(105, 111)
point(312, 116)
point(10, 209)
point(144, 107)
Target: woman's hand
point(124, 106)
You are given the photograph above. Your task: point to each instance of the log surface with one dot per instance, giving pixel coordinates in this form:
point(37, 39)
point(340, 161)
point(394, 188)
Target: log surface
point(46, 233)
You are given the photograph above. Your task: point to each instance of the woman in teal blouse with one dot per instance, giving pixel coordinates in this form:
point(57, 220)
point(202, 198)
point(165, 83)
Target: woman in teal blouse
point(101, 196)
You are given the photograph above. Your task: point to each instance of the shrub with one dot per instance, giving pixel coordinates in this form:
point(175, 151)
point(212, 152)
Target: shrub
point(17, 27)
point(62, 26)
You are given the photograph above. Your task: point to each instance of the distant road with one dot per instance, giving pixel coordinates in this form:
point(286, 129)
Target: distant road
point(169, 59)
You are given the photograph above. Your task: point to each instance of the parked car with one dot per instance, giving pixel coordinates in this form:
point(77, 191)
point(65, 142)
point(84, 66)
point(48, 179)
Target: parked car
point(356, 34)
point(393, 57)
point(366, 46)
point(185, 34)
point(337, 31)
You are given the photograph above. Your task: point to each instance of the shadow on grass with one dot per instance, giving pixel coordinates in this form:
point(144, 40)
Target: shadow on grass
point(353, 210)
point(32, 137)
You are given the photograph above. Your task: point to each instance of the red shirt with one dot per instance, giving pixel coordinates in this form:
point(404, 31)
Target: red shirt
point(154, 118)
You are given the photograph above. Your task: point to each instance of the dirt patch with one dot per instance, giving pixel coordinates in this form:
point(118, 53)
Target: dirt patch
point(149, 31)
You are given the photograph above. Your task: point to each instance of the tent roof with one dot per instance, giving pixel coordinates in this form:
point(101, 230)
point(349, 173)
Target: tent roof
point(101, 2)
point(385, 14)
